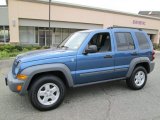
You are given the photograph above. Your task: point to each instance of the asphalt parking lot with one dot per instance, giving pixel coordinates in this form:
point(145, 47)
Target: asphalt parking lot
point(109, 101)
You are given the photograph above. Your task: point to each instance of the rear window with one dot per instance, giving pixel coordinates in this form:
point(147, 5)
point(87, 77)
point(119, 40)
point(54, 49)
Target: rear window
point(142, 40)
point(124, 41)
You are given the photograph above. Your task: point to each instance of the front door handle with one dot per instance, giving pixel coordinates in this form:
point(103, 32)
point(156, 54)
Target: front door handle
point(108, 56)
point(134, 54)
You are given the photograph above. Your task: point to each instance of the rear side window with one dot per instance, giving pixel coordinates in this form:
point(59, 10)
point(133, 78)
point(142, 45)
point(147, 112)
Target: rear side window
point(124, 41)
point(142, 40)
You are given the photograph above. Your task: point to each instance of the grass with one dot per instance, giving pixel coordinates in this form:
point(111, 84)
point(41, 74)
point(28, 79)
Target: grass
point(156, 46)
point(10, 51)
point(4, 55)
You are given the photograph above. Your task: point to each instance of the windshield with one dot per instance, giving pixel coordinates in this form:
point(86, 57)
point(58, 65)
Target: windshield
point(74, 41)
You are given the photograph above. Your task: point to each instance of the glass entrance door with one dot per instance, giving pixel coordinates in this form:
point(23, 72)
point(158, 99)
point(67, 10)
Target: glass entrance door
point(44, 38)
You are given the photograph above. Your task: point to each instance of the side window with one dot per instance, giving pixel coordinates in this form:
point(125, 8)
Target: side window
point(142, 40)
point(102, 41)
point(124, 41)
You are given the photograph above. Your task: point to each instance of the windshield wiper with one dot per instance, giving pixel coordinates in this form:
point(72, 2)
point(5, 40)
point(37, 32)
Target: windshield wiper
point(64, 46)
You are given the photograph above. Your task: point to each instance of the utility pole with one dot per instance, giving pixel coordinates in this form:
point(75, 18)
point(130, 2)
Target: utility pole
point(50, 39)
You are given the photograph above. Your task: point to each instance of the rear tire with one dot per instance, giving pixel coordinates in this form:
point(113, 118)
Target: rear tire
point(138, 78)
point(47, 92)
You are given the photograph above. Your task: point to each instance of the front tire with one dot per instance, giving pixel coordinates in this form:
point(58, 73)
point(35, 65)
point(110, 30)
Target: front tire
point(47, 93)
point(138, 78)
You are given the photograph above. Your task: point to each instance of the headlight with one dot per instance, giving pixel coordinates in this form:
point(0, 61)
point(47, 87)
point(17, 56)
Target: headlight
point(17, 70)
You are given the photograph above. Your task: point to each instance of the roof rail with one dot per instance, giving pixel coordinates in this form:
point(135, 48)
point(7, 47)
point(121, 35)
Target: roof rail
point(123, 27)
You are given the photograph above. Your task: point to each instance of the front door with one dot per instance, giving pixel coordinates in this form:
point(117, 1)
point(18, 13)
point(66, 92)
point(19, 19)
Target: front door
point(99, 66)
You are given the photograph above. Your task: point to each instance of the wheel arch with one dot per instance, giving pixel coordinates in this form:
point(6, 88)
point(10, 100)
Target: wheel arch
point(56, 73)
point(59, 70)
point(141, 61)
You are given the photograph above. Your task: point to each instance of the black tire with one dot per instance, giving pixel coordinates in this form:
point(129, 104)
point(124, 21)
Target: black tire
point(131, 83)
point(47, 79)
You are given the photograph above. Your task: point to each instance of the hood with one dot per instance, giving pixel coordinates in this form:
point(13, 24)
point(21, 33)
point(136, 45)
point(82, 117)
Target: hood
point(44, 54)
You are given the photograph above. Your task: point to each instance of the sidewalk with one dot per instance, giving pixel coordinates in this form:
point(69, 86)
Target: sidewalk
point(6, 63)
point(156, 51)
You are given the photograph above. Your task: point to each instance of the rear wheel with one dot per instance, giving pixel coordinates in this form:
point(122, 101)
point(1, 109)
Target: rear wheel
point(138, 78)
point(47, 93)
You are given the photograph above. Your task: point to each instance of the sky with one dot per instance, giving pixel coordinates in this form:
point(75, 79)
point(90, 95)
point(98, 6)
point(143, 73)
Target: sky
point(130, 6)
point(2, 2)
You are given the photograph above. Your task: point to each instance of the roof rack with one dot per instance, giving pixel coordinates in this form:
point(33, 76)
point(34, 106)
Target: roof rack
point(123, 27)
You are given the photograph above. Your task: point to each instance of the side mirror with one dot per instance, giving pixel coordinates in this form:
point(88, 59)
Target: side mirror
point(91, 49)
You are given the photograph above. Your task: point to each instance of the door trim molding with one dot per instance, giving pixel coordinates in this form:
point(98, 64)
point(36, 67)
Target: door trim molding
point(95, 73)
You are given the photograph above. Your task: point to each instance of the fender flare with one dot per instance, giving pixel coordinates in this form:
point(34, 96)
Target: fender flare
point(31, 71)
point(136, 61)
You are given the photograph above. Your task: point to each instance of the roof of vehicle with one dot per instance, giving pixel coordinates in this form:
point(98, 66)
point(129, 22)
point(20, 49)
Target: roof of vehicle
point(113, 28)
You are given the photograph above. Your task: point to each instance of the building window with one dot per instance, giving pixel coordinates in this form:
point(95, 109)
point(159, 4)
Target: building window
point(1, 34)
point(37, 35)
point(124, 41)
point(65, 33)
point(142, 40)
point(27, 35)
point(40, 35)
point(58, 37)
point(4, 34)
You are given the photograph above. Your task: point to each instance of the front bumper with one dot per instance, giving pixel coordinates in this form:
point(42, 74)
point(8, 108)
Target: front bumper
point(13, 83)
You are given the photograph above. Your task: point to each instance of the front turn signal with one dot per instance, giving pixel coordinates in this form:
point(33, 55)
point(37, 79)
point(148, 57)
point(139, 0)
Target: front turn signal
point(19, 87)
point(22, 77)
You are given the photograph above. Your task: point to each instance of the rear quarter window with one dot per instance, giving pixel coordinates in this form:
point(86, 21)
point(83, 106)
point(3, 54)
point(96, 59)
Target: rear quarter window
point(142, 41)
point(124, 41)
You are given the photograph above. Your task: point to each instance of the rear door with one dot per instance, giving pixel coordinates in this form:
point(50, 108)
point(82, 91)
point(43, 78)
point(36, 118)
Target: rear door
point(125, 52)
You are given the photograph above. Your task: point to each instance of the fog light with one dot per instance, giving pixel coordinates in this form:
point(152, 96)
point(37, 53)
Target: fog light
point(19, 87)
point(22, 77)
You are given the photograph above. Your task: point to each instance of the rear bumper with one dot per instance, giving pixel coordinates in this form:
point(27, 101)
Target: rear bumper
point(13, 83)
point(152, 64)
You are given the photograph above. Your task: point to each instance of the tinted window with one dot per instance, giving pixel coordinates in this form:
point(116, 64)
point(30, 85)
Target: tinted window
point(142, 40)
point(124, 41)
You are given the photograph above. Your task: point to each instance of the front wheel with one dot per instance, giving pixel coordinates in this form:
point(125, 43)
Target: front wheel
point(138, 78)
point(47, 93)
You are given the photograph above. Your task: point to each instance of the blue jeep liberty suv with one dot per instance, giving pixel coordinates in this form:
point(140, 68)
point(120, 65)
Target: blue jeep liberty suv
point(84, 58)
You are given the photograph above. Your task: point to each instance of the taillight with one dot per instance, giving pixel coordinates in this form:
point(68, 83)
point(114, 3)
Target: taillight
point(153, 55)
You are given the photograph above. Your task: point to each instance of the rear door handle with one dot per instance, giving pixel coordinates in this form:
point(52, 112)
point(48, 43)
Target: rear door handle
point(108, 56)
point(134, 54)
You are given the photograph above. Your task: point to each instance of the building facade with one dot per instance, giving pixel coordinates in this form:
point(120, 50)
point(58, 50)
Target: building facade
point(26, 21)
